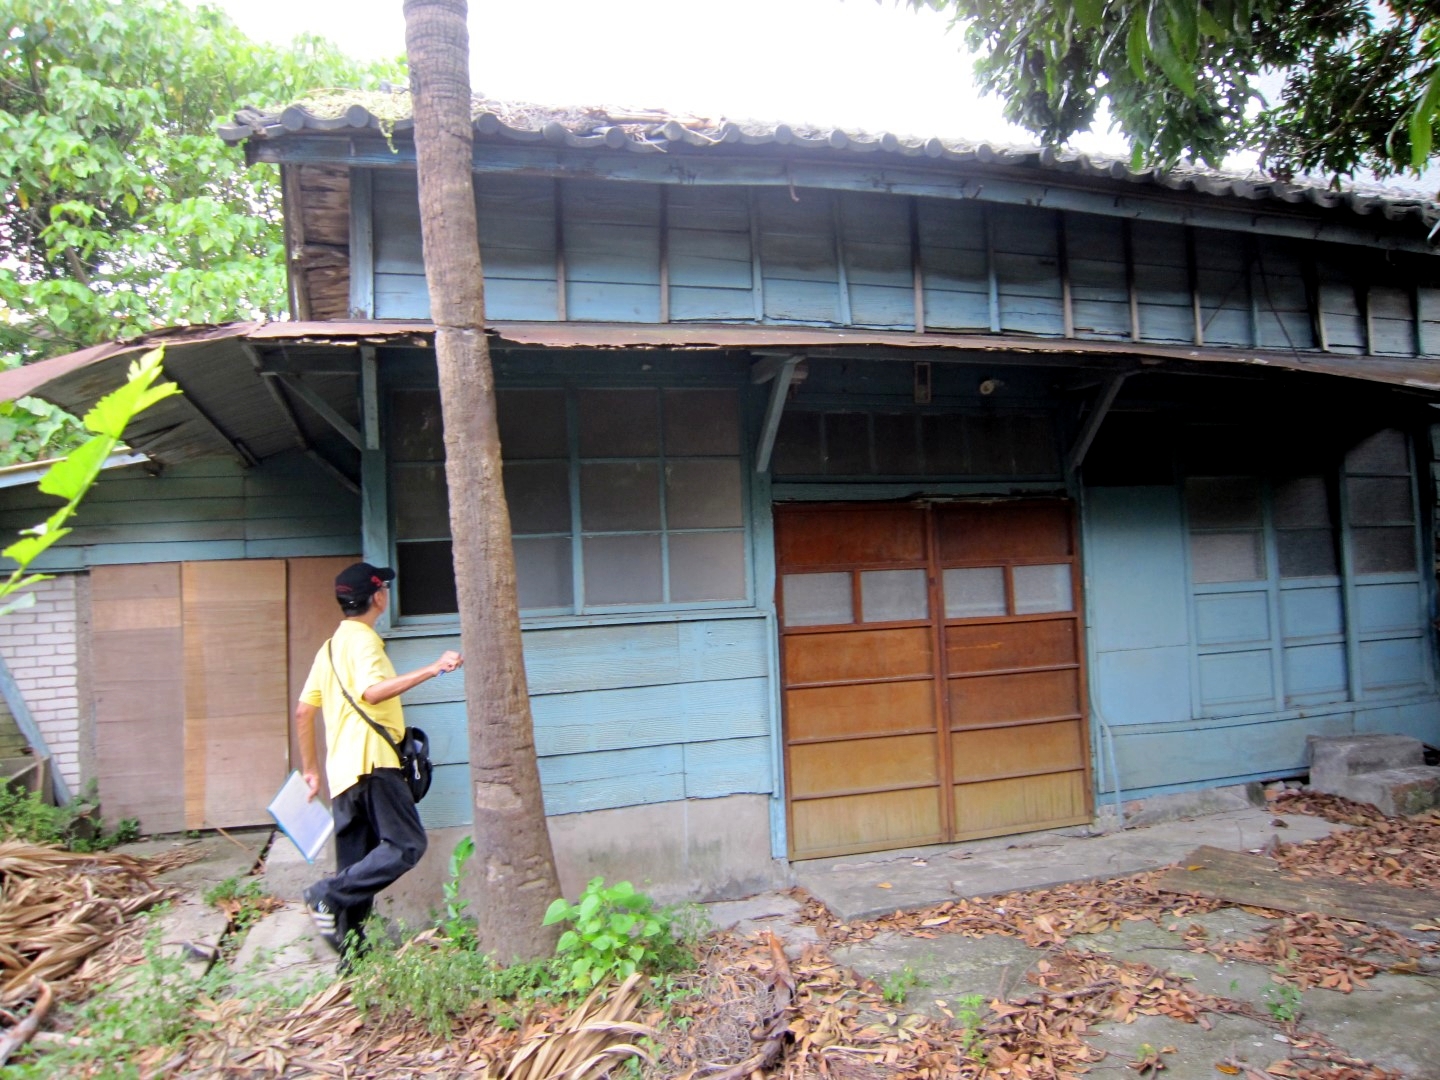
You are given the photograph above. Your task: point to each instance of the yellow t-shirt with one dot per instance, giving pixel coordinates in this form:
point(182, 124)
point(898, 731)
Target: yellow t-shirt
point(353, 747)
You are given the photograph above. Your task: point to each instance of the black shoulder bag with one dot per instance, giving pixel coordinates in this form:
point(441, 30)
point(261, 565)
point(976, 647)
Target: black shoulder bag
point(413, 750)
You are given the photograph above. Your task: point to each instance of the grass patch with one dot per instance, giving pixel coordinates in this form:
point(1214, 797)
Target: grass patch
point(25, 815)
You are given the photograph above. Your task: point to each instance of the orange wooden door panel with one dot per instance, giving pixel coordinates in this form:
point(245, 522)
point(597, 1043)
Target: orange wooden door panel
point(913, 725)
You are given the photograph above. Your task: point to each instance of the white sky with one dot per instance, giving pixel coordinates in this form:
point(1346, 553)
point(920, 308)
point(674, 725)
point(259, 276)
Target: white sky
point(846, 63)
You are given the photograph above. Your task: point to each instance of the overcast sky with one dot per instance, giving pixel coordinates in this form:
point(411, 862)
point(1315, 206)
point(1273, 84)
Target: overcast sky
point(845, 63)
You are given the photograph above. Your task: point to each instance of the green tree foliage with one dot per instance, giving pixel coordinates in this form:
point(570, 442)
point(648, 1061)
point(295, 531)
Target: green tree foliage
point(1359, 79)
point(120, 210)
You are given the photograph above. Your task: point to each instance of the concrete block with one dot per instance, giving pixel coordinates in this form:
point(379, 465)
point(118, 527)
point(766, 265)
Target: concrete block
point(1336, 758)
point(1397, 792)
point(284, 949)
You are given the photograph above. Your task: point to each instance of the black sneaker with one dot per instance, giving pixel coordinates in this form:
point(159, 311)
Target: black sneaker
point(323, 916)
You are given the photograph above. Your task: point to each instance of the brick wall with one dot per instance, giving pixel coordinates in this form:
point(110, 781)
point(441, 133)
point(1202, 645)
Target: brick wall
point(39, 644)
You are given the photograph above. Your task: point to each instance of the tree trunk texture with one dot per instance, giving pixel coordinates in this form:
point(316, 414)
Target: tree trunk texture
point(513, 879)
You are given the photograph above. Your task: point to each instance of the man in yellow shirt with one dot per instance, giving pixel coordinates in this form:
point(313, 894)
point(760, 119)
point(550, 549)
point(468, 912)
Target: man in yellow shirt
point(378, 834)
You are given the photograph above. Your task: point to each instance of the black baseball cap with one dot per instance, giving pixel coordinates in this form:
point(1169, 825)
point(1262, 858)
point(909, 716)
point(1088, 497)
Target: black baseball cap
point(361, 581)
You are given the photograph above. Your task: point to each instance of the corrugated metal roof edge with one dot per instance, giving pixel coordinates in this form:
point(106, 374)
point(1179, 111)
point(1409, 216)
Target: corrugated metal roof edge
point(655, 132)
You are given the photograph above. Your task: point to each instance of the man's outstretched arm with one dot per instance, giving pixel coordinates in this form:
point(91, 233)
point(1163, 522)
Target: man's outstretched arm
point(389, 688)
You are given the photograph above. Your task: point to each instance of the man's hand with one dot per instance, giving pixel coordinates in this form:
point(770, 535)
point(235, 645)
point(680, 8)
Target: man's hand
point(449, 661)
point(312, 781)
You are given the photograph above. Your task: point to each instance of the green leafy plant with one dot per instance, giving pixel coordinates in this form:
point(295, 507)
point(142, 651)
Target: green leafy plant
point(1284, 1001)
point(73, 475)
point(431, 978)
point(898, 984)
point(970, 1012)
point(457, 925)
point(614, 931)
point(25, 815)
point(245, 902)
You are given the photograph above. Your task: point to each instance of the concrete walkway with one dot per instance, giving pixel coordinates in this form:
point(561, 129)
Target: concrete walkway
point(864, 886)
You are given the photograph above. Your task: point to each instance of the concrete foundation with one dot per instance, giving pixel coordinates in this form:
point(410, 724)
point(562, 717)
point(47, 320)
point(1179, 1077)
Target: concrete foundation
point(697, 849)
point(1386, 771)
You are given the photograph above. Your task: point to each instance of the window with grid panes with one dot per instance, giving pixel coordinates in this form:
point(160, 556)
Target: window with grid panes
point(623, 498)
point(1281, 591)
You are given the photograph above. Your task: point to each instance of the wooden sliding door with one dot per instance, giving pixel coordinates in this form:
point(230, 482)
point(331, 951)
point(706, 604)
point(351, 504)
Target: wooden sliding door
point(931, 664)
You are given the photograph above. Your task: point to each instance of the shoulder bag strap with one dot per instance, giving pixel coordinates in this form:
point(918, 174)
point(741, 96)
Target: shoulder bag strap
point(379, 730)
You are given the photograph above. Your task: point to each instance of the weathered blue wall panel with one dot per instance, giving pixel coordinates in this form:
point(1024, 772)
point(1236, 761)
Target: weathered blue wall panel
point(211, 508)
point(1233, 618)
point(1095, 255)
point(624, 714)
point(1393, 606)
point(1234, 682)
point(1311, 612)
point(954, 264)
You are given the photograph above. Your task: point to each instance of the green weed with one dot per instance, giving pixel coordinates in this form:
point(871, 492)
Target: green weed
point(245, 902)
point(614, 931)
point(26, 816)
point(898, 984)
point(1283, 1001)
point(970, 1010)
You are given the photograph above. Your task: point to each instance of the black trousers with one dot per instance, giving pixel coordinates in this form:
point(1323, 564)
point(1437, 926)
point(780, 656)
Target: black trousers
point(378, 837)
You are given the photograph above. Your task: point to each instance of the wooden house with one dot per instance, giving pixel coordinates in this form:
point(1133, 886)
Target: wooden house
point(866, 492)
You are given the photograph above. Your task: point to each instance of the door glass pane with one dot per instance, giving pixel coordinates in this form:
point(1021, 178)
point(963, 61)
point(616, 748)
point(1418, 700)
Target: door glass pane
point(421, 501)
point(703, 494)
point(1042, 588)
point(1376, 500)
point(974, 591)
point(538, 494)
point(619, 423)
point(1224, 503)
point(1301, 502)
point(1227, 556)
point(620, 496)
point(622, 569)
point(532, 424)
point(1306, 553)
point(702, 422)
point(817, 599)
point(707, 566)
point(1384, 551)
point(893, 595)
point(543, 573)
point(1384, 453)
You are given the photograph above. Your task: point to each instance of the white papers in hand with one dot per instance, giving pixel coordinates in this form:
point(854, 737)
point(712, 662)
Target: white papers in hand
point(308, 824)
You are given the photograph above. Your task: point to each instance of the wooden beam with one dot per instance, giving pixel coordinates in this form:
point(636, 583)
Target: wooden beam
point(917, 267)
point(1192, 276)
point(664, 253)
point(332, 362)
point(362, 245)
point(557, 203)
point(992, 279)
point(292, 209)
point(370, 396)
point(1098, 411)
point(757, 271)
point(327, 412)
point(1067, 297)
point(241, 450)
point(779, 389)
point(1132, 294)
point(842, 275)
point(31, 730)
point(257, 361)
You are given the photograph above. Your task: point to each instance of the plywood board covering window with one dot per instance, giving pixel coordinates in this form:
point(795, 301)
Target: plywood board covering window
point(932, 675)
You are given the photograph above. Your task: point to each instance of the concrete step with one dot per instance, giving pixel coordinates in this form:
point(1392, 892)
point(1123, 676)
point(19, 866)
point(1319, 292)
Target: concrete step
point(1397, 792)
point(1334, 759)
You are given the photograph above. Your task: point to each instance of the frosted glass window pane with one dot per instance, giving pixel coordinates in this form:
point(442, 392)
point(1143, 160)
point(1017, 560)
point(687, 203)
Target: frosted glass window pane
point(622, 569)
point(544, 576)
point(817, 599)
point(1306, 553)
point(1302, 502)
point(707, 566)
point(702, 422)
point(422, 503)
point(1384, 452)
point(619, 423)
point(1384, 551)
point(538, 494)
point(1378, 500)
point(620, 496)
point(702, 494)
point(532, 424)
point(1231, 556)
point(974, 591)
point(425, 578)
point(893, 595)
point(1042, 588)
point(413, 431)
point(1224, 503)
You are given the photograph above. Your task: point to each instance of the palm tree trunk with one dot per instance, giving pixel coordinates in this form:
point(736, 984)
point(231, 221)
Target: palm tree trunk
point(514, 878)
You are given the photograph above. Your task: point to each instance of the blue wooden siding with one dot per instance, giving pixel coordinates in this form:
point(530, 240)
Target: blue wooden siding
point(624, 714)
point(1185, 715)
point(600, 251)
point(210, 508)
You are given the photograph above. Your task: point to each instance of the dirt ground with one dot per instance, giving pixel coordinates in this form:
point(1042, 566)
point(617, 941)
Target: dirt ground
point(1087, 977)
